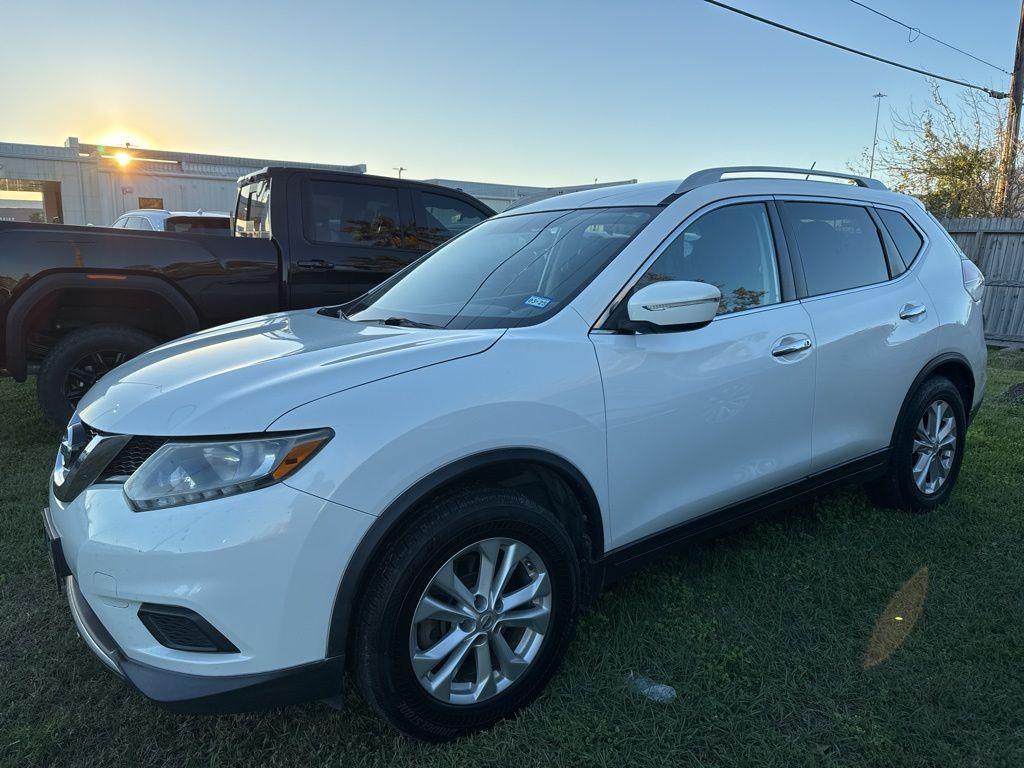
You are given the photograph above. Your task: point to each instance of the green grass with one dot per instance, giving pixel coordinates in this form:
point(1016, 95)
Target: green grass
point(782, 641)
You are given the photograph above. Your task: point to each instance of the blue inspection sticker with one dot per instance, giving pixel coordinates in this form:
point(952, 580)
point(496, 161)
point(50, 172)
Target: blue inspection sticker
point(538, 301)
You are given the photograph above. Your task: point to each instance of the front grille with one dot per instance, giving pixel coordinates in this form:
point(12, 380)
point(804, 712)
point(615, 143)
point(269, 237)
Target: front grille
point(183, 630)
point(130, 457)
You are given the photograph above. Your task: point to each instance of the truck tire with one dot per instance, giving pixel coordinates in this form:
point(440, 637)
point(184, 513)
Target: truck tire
point(79, 360)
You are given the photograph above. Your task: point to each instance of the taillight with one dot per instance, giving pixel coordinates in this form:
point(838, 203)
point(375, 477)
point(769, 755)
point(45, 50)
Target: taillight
point(974, 280)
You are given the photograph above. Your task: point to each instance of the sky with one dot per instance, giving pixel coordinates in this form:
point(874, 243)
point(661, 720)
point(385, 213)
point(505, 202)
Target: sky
point(530, 93)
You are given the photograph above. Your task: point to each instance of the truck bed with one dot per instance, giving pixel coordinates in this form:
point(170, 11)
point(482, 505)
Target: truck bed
point(220, 278)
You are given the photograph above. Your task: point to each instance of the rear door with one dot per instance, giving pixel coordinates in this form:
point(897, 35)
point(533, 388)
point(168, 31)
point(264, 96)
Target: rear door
point(351, 234)
point(873, 325)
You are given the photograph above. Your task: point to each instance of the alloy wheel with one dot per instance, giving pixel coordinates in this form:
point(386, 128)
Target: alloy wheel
point(934, 447)
point(480, 623)
point(88, 370)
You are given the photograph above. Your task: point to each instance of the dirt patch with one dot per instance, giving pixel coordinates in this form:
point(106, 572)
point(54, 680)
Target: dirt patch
point(1015, 394)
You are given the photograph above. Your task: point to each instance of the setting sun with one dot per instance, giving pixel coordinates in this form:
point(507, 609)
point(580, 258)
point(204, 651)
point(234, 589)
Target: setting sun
point(123, 158)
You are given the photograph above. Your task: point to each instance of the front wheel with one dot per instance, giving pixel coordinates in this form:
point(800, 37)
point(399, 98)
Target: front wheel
point(468, 614)
point(927, 451)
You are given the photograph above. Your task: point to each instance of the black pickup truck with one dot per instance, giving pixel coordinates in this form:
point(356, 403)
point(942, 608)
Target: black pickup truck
point(78, 301)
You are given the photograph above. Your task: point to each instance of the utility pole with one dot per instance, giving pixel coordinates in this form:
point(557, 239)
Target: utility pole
point(874, 140)
point(400, 168)
point(1004, 185)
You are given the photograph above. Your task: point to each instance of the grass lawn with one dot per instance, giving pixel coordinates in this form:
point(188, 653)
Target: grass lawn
point(834, 635)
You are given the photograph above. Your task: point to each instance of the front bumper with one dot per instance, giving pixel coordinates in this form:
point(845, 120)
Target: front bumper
point(263, 568)
point(202, 694)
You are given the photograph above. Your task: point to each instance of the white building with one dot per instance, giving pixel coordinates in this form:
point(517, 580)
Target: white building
point(94, 184)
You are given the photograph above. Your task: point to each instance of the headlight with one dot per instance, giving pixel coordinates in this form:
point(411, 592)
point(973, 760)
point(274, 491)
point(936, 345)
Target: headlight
point(187, 472)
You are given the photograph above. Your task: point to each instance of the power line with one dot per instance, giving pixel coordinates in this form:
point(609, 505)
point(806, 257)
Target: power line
point(848, 49)
point(933, 39)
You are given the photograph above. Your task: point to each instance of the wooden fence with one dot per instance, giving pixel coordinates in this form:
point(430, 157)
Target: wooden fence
point(997, 247)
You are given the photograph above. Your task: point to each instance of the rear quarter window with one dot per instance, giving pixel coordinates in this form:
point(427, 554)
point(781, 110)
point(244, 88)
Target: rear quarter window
point(908, 241)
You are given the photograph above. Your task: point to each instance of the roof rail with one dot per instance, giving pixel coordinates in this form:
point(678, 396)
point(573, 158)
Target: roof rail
point(712, 175)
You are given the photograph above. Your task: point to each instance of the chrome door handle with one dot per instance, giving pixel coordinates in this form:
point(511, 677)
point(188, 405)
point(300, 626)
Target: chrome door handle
point(912, 310)
point(790, 346)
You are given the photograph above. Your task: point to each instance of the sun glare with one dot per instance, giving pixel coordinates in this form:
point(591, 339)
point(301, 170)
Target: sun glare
point(123, 158)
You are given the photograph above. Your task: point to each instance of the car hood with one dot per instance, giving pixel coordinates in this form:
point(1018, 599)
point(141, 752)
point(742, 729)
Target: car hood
point(239, 378)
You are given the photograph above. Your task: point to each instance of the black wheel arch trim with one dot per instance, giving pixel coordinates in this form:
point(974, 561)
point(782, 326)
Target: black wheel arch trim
point(15, 343)
point(930, 367)
point(398, 511)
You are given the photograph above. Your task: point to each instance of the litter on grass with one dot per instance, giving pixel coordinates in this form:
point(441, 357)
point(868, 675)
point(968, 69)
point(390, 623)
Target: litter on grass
point(658, 692)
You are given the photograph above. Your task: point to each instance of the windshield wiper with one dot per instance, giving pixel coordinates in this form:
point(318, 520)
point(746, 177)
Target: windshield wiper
point(405, 322)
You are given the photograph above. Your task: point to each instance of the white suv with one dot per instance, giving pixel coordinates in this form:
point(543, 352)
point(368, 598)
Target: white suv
point(197, 222)
point(425, 486)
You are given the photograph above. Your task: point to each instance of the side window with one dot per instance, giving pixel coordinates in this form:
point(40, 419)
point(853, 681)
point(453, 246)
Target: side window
point(908, 241)
point(840, 247)
point(730, 247)
point(121, 221)
point(137, 222)
point(354, 214)
point(439, 218)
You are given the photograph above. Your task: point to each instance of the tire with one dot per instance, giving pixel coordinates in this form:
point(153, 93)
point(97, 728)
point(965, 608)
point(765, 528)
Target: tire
point(900, 488)
point(78, 360)
point(386, 637)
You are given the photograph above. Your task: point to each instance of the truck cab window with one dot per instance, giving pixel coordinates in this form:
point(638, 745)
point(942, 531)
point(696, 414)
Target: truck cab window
point(252, 211)
point(341, 213)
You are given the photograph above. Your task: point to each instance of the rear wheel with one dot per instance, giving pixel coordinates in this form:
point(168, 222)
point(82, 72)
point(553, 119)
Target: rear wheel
point(78, 360)
point(928, 450)
point(468, 615)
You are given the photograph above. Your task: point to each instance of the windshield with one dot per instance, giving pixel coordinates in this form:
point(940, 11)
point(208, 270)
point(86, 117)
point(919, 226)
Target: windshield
point(508, 271)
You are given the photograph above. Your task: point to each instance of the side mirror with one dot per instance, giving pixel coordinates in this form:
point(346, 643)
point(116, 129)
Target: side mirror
point(674, 305)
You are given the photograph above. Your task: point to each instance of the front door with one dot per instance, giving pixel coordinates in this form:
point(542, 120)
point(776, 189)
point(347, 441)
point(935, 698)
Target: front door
point(701, 419)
